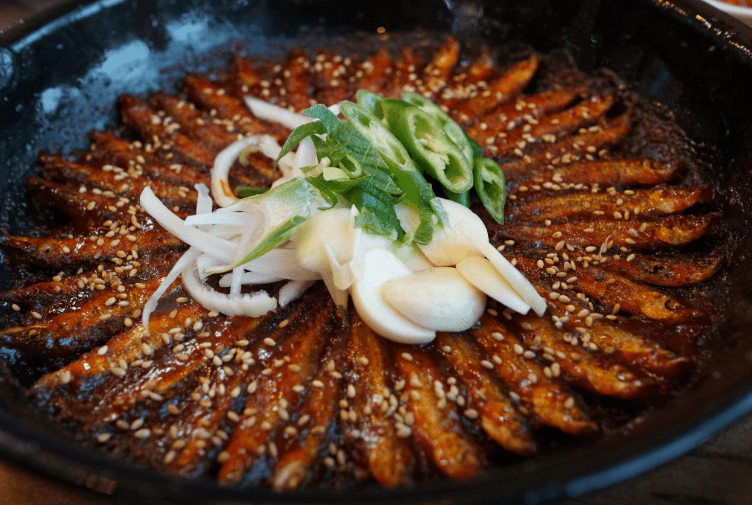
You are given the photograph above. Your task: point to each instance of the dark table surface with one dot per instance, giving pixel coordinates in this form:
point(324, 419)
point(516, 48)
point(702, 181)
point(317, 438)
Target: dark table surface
point(718, 472)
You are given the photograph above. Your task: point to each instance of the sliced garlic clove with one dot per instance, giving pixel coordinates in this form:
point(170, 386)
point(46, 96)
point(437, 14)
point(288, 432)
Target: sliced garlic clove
point(380, 266)
point(515, 279)
point(448, 246)
point(482, 274)
point(332, 227)
point(414, 258)
point(438, 298)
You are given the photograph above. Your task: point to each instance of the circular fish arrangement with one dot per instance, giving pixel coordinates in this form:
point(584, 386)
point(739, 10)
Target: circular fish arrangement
point(164, 327)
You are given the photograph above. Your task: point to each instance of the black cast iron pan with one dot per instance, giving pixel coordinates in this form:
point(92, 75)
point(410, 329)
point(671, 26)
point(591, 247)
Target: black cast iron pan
point(61, 73)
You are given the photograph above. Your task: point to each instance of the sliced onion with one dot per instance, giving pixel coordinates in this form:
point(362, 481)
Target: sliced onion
point(283, 263)
point(249, 279)
point(292, 291)
point(251, 305)
point(238, 219)
point(223, 162)
point(185, 261)
point(236, 279)
point(205, 242)
point(220, 183)
point(270, 112)
point(204, 203)
point(280, 263)
point(206, 263)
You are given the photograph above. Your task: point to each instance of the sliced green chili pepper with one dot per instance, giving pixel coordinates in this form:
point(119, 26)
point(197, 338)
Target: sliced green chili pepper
point(370, 101)
point(427, 143)
point(461, 198)
point(489, 185)
point(448, 125)
point(477, 150)
point(398, 162)
point(391, 150)
point(351, 167)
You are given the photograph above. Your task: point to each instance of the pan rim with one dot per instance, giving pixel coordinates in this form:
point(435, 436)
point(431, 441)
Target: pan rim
point(737, 403)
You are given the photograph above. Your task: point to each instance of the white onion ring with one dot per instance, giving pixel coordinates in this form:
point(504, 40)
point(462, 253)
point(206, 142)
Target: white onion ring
point(270, 112)
point(185, 261)
point(249, 278)
point(237, 219)
point(223, 162)
point(292, 291)
point(252, 305)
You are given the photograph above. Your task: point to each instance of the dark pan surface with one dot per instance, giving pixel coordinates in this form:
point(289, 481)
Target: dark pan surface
point(61, 75)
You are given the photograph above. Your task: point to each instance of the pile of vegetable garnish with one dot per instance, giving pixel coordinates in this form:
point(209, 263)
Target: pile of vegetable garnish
point(354, 208)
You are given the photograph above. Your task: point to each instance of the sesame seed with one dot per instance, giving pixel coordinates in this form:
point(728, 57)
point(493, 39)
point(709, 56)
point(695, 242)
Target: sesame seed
point(303, 419)
point(471, 414)
point(555, 369)
point(403, 431)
